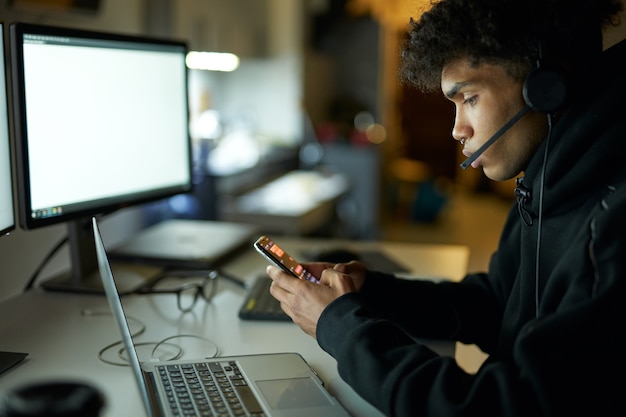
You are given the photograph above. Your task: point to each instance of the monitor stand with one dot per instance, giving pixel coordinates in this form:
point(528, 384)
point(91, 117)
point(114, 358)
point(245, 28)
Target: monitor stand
point(83, 276)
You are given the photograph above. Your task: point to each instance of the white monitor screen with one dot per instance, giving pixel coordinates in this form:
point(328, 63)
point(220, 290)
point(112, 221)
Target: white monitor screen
point(102, 121)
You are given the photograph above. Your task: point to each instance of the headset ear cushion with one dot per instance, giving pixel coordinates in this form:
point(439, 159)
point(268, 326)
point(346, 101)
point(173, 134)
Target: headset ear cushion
point(545, 90)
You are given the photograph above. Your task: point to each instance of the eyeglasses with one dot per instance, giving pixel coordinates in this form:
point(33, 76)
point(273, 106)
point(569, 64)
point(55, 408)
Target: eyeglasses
point(188, 293)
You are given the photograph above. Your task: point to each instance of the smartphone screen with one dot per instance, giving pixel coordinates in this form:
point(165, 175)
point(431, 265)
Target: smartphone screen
point(275, 254)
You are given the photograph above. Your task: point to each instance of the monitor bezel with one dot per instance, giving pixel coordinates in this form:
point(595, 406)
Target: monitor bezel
point(94, 207)
point(9, 228)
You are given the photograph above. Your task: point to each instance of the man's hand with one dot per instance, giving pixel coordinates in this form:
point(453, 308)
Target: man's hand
point(304, 301)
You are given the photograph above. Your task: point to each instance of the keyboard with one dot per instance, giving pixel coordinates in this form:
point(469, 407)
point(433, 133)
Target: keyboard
point(259, 303)
point(208, 389)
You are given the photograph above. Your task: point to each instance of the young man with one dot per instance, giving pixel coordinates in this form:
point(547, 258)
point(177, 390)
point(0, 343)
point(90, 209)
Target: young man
point(551, 311)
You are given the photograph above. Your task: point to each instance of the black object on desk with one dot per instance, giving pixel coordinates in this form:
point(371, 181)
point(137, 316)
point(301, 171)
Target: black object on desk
point(54, 399)
point(375, 260)
point(10, 359)
point(336, 255)
point(259, 303)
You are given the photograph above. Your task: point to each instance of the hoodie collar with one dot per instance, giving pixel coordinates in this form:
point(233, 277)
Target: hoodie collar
point(584, 145)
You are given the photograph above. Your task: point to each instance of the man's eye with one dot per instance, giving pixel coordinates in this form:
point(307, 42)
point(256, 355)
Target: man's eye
point(471, 100)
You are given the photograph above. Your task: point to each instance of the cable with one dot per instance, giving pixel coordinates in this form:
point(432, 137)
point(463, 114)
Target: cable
point(55, 249)
point(101, 352)
point(540, 216)
point(120, 353)
point(142, 328)
point(164, 341)
point(31, 282)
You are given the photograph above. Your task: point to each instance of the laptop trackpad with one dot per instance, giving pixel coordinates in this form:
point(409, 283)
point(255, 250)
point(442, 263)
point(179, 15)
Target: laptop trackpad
point(283, 394)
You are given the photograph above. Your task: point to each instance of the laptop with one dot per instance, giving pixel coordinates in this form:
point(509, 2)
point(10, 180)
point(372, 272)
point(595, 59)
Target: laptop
point(262, 385)
point(184, 243)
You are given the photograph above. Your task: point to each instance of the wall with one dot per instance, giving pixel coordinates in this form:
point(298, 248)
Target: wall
point(266, 90)
point(114, 15)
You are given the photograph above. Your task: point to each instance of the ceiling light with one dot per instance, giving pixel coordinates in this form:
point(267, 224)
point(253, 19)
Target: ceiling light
point(212, 61)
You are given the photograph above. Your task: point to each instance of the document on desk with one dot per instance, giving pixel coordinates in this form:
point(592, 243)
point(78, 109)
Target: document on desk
point(279, 384)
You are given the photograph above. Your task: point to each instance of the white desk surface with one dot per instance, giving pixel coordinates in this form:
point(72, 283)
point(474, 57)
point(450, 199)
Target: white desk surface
point(63, 342)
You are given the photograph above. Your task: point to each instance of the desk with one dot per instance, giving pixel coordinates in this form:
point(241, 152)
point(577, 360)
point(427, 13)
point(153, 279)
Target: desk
point(63, 342)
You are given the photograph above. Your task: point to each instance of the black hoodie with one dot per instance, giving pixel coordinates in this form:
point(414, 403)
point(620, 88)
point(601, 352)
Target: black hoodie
point(553, 324)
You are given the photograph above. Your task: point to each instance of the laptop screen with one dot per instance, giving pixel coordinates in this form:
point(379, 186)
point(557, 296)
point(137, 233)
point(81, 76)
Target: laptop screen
point(118, 313)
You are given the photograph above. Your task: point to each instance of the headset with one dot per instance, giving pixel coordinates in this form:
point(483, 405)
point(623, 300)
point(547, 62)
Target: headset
point(545, 88)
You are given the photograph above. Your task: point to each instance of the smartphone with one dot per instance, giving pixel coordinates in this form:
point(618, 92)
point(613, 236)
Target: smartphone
point(277, 256)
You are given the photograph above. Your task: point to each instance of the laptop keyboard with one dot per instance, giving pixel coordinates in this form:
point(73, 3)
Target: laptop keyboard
point(259, 303)
point(208, 389)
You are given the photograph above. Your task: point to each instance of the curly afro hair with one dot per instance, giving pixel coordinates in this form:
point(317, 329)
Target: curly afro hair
point(503, 32)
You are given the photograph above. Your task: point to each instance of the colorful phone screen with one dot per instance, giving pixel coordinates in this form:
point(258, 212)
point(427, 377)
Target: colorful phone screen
point(282, 259)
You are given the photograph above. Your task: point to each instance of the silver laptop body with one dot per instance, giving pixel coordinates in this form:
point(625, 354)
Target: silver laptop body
point(184, 243)
point(276, 385)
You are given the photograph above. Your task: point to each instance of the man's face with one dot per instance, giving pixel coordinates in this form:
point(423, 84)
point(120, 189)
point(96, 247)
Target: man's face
point(485, 98)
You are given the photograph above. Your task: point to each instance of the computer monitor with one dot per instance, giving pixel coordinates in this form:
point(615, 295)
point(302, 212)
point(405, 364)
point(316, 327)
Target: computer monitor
point(101, 123)
point(7, 214)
